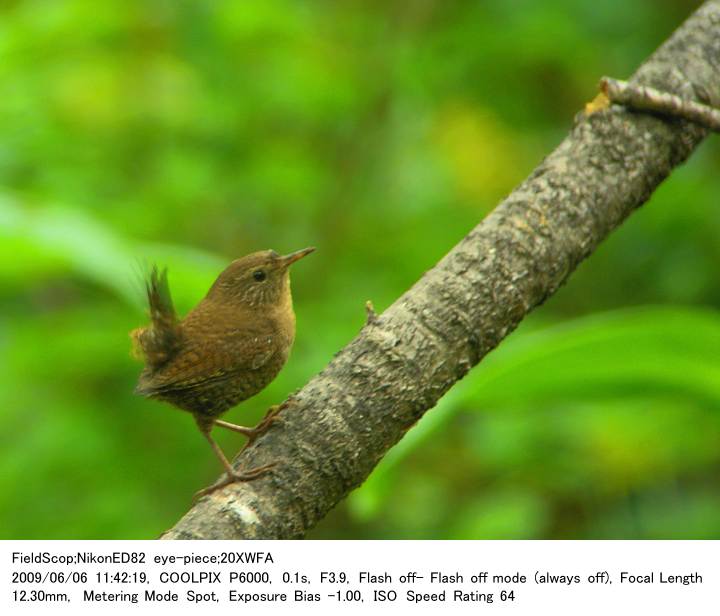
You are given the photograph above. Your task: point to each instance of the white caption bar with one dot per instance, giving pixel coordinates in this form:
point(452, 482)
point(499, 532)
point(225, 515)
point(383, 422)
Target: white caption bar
point(346, 577)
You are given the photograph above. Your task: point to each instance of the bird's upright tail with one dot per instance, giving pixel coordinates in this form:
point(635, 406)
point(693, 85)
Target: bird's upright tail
point(158, 342)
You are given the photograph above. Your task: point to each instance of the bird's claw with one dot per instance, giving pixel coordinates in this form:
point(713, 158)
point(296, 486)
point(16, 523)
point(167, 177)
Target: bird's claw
point(234, 477)
point(270, 418)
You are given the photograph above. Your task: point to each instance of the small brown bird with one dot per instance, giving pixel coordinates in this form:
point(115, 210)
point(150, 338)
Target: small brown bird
point(227, 349)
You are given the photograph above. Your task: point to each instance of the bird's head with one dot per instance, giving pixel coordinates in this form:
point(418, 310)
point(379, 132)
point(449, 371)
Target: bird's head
point(258, 279)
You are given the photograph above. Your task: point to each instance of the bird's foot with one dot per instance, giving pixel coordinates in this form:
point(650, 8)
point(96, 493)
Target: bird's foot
point(270, 418)
point(254, 433)
point(233, 477)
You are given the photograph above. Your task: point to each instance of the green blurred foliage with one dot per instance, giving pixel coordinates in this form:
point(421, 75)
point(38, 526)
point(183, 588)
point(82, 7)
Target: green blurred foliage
point(189, 133)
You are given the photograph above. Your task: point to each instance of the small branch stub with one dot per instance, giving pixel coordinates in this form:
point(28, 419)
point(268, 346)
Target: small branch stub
point(372, 317)
point(644, 98)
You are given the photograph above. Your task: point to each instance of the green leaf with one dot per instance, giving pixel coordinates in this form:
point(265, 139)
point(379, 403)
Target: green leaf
point(615, 356)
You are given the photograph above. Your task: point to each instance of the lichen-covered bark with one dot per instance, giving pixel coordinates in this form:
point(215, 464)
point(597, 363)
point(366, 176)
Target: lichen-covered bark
point(343, 421)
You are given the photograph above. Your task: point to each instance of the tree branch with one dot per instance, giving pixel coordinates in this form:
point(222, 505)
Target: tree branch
point(337, 428)
point(643, 98)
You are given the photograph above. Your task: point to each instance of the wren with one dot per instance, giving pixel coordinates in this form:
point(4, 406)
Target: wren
point(227, 349)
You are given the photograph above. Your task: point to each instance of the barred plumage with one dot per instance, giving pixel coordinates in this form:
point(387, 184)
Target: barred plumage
point(227, 349)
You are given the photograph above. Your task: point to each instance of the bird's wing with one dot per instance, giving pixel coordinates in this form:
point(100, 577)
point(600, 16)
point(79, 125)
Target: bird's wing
point(212, 357)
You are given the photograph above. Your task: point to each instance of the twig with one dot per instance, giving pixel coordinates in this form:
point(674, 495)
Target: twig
point(645, 98)
point(372, 316)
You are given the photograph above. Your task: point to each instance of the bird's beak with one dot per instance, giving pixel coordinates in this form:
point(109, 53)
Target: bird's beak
point(296, 256)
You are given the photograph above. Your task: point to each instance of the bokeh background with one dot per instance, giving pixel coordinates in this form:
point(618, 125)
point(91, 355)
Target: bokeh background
point(190, 133)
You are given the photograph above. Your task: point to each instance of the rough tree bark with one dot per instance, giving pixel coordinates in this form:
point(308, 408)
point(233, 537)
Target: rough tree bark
point(344, 420)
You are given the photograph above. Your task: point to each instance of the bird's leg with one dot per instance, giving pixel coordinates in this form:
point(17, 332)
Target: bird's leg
point(231, 475)
point(245, 431)
point(253, 433)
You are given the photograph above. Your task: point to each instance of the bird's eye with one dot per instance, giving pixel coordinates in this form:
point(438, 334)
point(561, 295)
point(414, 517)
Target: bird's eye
point(259, 275)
